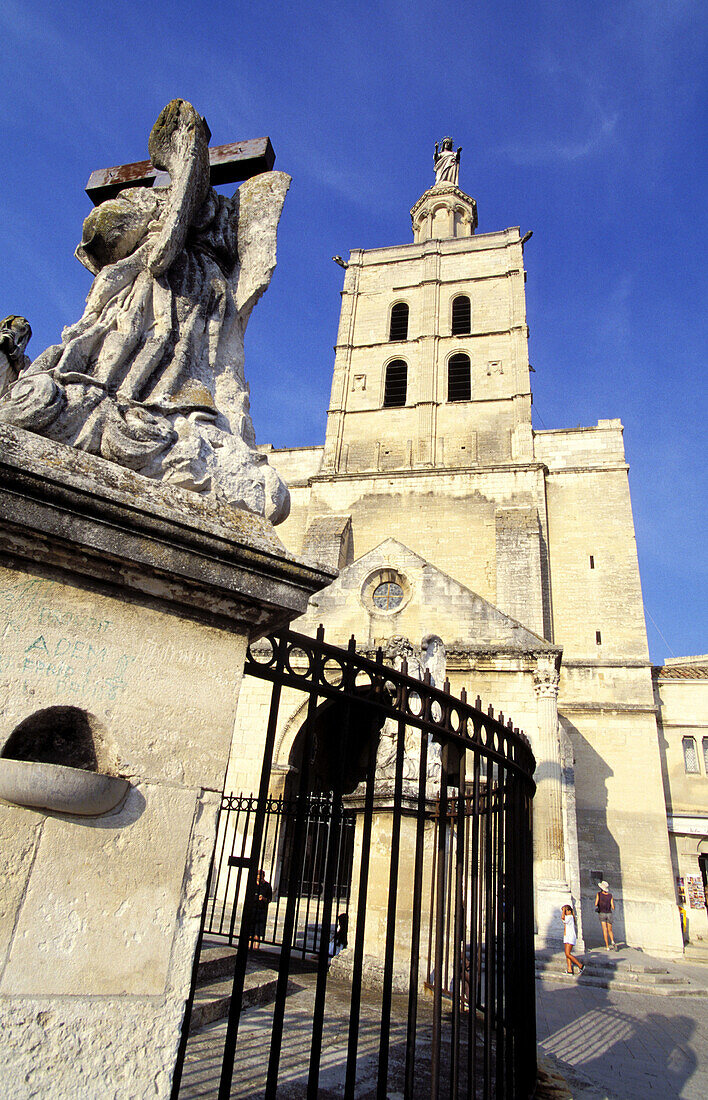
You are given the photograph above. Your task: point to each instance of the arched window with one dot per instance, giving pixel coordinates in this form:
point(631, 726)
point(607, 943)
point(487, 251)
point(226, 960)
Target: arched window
point(458, 378)
point(396, 384)
point(461, 315)
point(690, 756)
point(399, 322)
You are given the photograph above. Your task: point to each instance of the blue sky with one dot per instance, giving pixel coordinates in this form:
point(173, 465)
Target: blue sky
point(584, 122)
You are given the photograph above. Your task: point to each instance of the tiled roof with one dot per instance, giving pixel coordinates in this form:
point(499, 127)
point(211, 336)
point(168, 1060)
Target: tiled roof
point(680, 672)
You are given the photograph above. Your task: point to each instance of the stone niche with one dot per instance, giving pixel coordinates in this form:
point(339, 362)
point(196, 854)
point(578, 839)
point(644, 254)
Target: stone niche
point(126, 606)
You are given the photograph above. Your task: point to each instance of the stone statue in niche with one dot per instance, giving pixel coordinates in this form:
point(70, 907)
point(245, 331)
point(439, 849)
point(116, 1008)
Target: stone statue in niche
point(430, 657)
point(151, 377)
point(447, 162)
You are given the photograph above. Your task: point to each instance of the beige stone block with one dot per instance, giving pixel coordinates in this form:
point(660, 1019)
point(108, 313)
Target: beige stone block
point(19, 835)
point(82, 927)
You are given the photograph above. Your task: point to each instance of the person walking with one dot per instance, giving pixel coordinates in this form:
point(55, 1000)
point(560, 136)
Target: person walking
point(605, 907)
point(569, 940)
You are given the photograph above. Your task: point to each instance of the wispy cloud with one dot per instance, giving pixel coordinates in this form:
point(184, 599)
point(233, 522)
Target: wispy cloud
point(554, 150)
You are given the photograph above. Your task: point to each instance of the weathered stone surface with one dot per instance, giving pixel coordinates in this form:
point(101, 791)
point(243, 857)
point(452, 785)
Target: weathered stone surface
point(186, 552)
point(51, 1050)
point(98, 917)
point(151, 377)
point(19, 835)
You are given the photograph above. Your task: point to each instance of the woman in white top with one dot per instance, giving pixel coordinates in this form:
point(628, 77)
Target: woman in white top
point(569, 940)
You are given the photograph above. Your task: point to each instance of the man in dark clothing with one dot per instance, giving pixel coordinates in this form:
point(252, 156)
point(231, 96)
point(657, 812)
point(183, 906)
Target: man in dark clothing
point(262, 897)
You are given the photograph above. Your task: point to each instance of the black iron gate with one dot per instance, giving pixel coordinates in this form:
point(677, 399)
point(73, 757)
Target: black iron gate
point(439, 983)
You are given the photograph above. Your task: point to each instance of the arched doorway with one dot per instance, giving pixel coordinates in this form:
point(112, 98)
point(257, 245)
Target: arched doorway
point(341, 740)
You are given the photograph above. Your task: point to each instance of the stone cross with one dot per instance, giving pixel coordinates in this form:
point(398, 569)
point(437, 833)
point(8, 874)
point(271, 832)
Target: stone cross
point(231, 163)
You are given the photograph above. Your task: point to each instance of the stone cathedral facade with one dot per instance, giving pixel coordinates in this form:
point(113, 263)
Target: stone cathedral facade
point(449, 516)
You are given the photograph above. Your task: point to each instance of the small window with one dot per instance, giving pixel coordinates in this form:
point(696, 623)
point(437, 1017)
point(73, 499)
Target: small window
point(458, 378)
point(387, 595)
point(396, 384)
point(398, 329)
point(592, 562)
point(598, 637)
point(461, 315)
point(690, 756)
point(705, 754)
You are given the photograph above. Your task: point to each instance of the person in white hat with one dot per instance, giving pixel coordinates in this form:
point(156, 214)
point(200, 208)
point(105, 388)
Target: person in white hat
point(605, 907)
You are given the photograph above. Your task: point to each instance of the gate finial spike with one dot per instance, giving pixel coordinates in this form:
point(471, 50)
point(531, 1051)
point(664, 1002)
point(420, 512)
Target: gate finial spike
point(446, 686)
point(352, 644)
point(490, 711)
point(463, 693)
point(478, 702)
point(320, 632)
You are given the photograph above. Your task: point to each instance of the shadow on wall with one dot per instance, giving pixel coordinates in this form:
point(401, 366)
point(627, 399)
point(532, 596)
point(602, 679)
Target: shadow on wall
point(598, 850)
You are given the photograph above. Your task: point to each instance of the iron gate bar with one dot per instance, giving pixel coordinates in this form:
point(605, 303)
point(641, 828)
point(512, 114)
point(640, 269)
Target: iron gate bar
point(499, 937)
point(488, 916)
point(415, 929)
point(385, 1033)
point(459, 939)
point(472, 997)
point(242, 857)
point(323, 961)
point(358, 963)
point(439, 931)
point(298, 850)
point(227, 1066)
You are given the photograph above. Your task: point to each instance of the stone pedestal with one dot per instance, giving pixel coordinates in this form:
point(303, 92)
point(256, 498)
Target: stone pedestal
point(378, 895)
point(126, 609)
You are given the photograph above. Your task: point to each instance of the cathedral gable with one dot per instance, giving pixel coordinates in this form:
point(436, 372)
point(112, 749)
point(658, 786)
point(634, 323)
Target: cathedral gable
point(391, 590)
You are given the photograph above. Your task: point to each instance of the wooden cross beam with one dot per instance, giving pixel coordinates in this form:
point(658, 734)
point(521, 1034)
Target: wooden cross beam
point(232, 163)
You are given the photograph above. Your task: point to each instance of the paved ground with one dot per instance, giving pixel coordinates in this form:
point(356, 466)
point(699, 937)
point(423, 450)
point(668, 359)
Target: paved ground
point(620, 1046)
point(204, 1051)
point(605, 1044)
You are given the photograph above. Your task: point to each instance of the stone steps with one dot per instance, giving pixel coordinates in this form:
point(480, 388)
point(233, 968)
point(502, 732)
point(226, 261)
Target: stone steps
point(621, 975)
point(694, 953)
point(212, 996)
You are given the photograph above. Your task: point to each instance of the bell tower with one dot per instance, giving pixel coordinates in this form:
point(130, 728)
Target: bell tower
point(431, 362)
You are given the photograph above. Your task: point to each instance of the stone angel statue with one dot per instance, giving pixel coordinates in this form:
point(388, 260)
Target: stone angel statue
point(152, 375)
